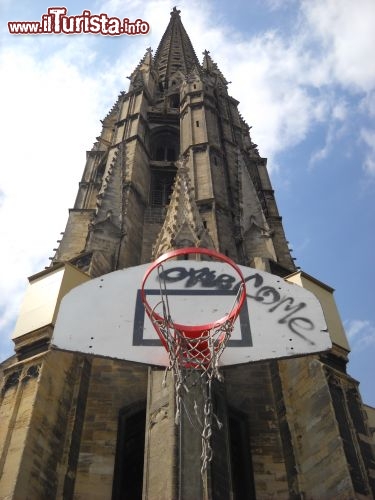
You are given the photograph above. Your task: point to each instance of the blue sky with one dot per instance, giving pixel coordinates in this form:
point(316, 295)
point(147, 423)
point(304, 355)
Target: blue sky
point(304, 74)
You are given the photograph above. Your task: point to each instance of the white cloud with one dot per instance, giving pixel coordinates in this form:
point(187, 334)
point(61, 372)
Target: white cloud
point(336, 128)
point(367, 104)
point(340, 111)
point(368, 137)
point(361, 333)
point(354, 327)
point(346, 31)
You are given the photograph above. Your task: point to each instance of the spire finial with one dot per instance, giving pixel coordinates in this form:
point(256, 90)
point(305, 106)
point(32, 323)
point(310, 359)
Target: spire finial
point(205, 52)
point(175, 12)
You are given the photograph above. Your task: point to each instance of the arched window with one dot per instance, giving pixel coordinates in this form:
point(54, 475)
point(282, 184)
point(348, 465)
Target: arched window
point(128, 474)
point(164, 144)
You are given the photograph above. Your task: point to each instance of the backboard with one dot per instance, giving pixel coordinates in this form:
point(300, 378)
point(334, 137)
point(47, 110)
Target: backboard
point(106, 317)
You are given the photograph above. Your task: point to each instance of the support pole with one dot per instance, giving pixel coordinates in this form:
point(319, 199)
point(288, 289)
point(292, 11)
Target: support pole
point(192, 483)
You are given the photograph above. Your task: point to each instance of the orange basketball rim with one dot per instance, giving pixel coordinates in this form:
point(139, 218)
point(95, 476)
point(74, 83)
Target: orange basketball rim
point(193, 346)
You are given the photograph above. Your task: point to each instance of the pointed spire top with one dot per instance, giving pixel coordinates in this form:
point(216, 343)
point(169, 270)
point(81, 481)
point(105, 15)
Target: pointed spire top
point(210, 66)
point(175, 51)
point(208, 62)
point(136, 78)
point(146, 59)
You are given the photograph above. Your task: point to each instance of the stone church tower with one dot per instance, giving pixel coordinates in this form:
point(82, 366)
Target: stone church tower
point(175, 166)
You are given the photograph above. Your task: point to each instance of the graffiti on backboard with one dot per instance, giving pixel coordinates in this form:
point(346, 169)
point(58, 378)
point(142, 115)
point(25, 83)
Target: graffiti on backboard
point(286, 307)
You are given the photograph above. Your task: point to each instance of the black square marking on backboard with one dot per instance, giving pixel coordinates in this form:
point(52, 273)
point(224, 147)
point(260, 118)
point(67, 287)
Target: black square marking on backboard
point(139, 318)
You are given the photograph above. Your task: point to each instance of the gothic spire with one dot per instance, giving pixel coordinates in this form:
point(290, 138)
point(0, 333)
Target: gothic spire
point(138, 76)
point(144, 62)
point(183, 225)
point(211, 67)
point(175, 51)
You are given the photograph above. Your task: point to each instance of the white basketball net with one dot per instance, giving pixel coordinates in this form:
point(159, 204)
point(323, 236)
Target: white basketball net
point(186, 357)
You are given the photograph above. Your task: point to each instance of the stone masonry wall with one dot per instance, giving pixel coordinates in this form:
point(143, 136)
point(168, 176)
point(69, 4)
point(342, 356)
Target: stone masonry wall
point(113, 385)
point(37, 410)
point(321, 463)
point(249, 389)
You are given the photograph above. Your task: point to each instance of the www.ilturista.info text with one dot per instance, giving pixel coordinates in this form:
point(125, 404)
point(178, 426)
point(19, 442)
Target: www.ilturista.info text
point(57, 22)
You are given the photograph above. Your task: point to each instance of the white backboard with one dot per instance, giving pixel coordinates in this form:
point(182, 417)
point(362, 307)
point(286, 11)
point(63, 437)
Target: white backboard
point(106, 316)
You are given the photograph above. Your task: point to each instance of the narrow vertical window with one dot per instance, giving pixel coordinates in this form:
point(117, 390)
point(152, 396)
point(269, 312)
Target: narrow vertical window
point(175, 101)
point(197, 123)
point(241, 463)
point(128, 476)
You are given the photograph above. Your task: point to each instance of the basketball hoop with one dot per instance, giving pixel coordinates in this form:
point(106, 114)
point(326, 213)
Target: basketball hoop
point(196, 346)
point(192, 348)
